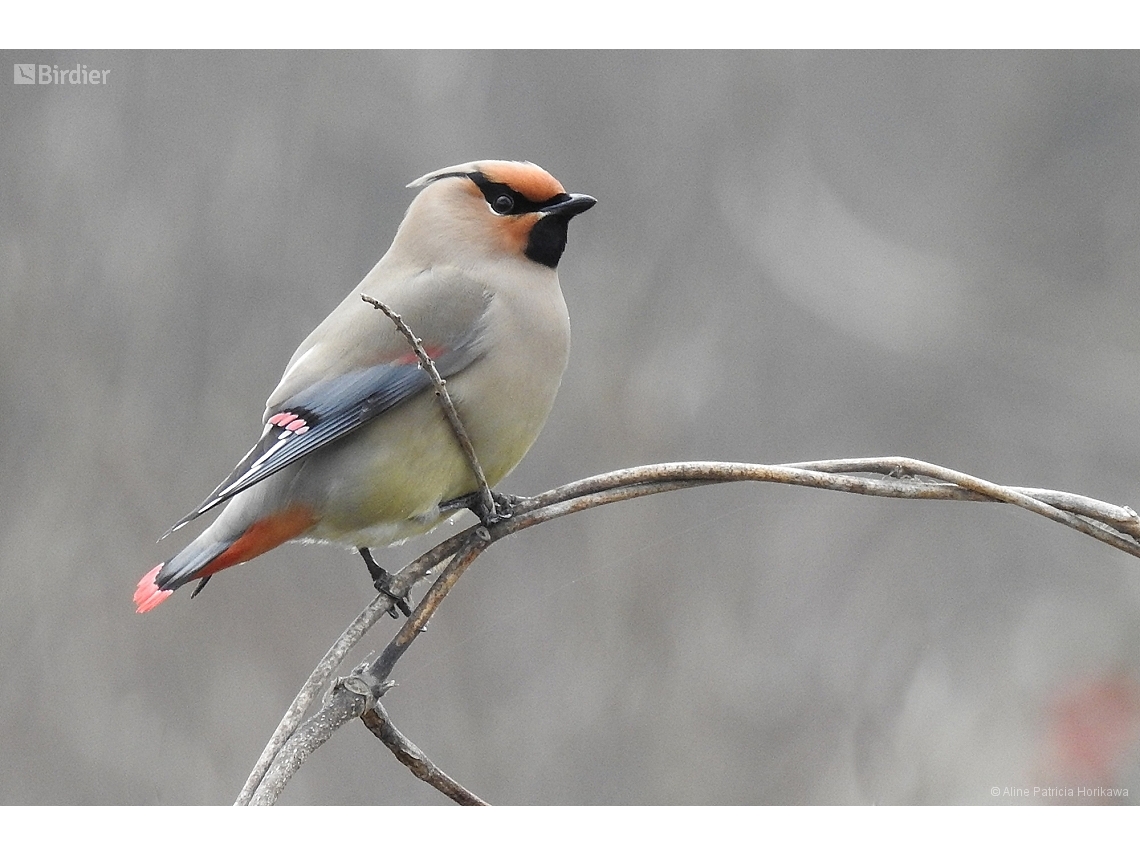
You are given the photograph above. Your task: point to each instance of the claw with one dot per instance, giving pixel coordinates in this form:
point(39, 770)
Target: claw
point(503, 509)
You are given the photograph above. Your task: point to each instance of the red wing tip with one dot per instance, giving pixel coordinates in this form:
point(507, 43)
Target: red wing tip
point(148, 594)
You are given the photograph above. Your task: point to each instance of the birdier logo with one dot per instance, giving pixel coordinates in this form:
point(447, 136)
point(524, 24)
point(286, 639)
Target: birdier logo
point(29, 72)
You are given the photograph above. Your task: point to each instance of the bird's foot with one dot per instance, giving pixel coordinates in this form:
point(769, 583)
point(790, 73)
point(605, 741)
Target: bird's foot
point(382, 582)
point(503, 509)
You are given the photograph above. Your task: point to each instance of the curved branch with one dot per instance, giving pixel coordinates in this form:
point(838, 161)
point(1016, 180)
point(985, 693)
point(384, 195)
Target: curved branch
point(419, 569)
point(376, 719)
point(1112, 524)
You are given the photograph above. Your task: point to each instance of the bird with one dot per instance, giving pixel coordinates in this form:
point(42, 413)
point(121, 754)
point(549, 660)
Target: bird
point(355, 449)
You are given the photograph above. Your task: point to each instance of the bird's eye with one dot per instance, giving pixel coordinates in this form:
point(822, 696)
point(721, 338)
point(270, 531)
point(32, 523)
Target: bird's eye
point(503, 204)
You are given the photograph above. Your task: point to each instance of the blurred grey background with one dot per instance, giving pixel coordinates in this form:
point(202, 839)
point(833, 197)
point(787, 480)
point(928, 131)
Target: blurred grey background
point(795, 256)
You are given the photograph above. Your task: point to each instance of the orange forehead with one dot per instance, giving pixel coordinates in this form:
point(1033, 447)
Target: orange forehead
point(532, 181)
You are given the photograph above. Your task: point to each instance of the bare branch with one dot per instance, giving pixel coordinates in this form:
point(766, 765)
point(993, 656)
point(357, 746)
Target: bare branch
point(1121, 518)
point(474, 541)
point(893, 477)
point(348, 699)
point(417, 570)
point(377, 720)
point(308, 693)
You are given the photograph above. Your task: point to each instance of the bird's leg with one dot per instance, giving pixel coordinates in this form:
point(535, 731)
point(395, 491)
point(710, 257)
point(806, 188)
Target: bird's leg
point(382, 580)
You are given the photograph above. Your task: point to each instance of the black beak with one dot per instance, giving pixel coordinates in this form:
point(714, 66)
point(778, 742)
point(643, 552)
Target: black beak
point(569, 205)
point(548, 235)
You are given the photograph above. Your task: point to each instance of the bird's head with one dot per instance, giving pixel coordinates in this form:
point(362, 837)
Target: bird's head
point(490, 209)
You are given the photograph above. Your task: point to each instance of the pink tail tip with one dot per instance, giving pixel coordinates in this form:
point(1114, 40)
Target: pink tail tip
point(148, 594)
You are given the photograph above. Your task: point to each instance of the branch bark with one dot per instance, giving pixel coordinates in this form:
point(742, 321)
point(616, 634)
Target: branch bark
point(376, 719)
point(890, 477)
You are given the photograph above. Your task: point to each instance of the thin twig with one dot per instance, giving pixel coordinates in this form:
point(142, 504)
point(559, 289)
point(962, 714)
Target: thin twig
point(475, 541)
point(1121, 518)
point(487, 498)
point(377, 720)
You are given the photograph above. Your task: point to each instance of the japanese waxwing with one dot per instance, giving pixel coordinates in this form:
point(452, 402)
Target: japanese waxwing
point(356, 449)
